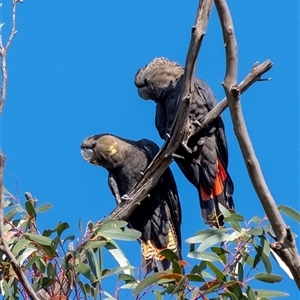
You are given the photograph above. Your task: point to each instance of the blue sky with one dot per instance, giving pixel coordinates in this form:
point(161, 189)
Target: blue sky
point(71, 68)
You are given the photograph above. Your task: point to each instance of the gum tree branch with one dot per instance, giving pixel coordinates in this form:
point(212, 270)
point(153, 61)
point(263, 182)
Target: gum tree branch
point(3, 53)
point(254, 76)
point(285, 245)
point(162, 160)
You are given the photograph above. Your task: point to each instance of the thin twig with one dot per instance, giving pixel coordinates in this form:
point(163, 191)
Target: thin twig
point(285, 241)
point(3, 52)
point(254, 76)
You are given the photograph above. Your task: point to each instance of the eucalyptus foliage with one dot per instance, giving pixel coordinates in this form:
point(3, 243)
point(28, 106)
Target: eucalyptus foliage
point(228, 262)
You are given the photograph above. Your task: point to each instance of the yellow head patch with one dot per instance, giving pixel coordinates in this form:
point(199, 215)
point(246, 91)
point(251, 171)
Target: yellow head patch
point(112, 150)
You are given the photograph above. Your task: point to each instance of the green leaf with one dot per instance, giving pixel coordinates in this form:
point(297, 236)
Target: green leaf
point(255, 220)
point(169, 254)
point(83, 289)
point(110, 224)
point(51, 270)
point(33, 260)
point(255, 231)
point(94, 244)
point(30, 209)
point(203, 235)
point(265, 245)
point(61, 227)
point(198, 269)
point(44, 207)
point(85, 271)
point(19, 246)
point(125, 234)
point(225, 212)
point(4, 288)
point(235, 217)
point(249, 260)
point(263, 257)
point(290, 212)
point(69, 238)
point(118, 255)
point(48, 232)
point(221, 252)
point(240, 271)
point(129, 286)
point(11, 214)
point(250, 293)
point(270, 294)
point(41, 240)
point(42, 283)
point(234, 224)
point(204, 256)
point(194, 277)
point(212, 240)
point(217, 272)
point(270, 278)
point(176, 267)
point(94, 264)
point(127, 278)
point(26, 253)
point(154, 278)
point(235, 291)
point(116, 270)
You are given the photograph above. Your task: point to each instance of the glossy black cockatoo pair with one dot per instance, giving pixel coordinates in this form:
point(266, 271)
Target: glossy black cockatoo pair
point(205, 164)
point(158, 217)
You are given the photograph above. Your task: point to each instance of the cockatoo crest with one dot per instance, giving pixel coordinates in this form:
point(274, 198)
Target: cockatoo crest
point(158, 76)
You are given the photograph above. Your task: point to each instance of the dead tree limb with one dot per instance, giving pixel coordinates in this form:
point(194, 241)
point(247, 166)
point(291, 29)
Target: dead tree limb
point(164, 157)
point(3, 52)
point(285, 245)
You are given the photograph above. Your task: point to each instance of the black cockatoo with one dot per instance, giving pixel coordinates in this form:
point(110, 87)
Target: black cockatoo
point(158, 217)
point(205, 165)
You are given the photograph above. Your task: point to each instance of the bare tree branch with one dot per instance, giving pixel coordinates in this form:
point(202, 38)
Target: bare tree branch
point(3, 52)
point(164, 157)
point(254, 76)
point(285, 242)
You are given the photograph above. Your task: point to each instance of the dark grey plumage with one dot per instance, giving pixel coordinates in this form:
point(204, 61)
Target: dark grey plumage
point(206, 166)
point(158, 217)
